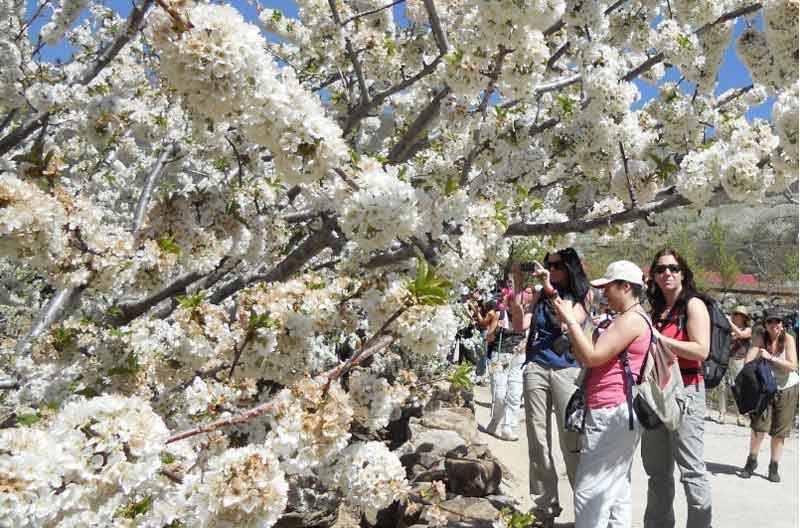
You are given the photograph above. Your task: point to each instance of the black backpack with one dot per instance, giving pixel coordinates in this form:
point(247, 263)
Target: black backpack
point(754, 387)
point(716, 364)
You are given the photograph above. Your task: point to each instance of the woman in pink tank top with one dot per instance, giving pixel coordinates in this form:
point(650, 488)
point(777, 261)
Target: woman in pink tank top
point(611, 430)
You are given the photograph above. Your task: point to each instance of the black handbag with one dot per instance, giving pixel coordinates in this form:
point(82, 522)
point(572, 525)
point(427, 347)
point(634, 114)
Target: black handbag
point(575, 413)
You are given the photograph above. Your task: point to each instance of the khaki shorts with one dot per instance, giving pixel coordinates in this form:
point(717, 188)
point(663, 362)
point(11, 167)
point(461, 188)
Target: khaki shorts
point(778, 419)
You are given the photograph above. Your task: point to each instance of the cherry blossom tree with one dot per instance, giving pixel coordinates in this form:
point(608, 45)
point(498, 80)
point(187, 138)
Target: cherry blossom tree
point(196, 220)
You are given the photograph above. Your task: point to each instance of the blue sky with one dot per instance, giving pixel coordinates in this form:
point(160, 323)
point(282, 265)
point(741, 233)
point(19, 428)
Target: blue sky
point(733, 74)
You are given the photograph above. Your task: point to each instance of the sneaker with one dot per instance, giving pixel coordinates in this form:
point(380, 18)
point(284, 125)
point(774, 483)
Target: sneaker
point(508, 436)
point(721, 418)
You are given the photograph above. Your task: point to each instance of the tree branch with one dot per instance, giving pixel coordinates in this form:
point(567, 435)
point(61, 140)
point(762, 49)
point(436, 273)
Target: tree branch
point(436, 27)
point(149, 185)
point(371, 12)
point(404, 147)
point(55, 310)
point(378, 344)
point(294, 261)
point(351, 53)
point(131, 311)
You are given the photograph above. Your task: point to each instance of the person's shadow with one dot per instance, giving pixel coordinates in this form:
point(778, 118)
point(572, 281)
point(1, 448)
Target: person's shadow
point(722, 469)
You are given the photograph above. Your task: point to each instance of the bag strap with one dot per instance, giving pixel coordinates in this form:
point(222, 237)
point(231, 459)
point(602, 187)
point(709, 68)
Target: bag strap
point(628, 375)
point(626, 367)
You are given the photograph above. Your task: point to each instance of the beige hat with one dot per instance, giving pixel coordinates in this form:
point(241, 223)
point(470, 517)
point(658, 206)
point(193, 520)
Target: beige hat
point(624, 270)
point(741, 309)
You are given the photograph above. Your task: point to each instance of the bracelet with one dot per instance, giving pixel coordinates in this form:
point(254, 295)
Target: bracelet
point(571, 322)
point(550, 292)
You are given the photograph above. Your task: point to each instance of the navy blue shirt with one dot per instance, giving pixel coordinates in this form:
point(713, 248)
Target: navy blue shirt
point(540, 347)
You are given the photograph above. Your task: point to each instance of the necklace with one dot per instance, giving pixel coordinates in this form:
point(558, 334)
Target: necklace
point(629, 307)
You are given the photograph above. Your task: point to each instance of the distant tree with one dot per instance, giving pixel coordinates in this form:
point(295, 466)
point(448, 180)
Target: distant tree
point(722, 260)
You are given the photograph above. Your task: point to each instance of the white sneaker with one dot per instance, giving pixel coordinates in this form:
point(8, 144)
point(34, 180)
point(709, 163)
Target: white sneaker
point(508, 436)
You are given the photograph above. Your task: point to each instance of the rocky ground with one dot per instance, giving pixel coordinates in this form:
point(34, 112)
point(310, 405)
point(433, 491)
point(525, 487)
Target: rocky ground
point(737, 502)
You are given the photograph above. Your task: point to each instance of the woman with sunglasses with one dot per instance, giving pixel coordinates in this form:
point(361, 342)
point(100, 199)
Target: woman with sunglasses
point(611, 430)
point(778, 347)
point(550, 372)
point(681, 317)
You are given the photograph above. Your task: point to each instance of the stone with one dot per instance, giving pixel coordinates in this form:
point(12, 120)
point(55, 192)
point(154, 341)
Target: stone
point(458, 419)
point(473, 472)
point(467, 512)
point(309, 504)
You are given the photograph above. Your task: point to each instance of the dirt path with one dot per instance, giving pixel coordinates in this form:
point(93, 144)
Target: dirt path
point(737, 502)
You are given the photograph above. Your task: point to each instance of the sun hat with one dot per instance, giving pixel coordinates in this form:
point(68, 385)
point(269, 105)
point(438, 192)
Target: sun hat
point(741, 310)
point(623, 270)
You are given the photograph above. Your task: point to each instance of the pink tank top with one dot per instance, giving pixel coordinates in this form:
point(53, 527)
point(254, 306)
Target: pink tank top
point(606, 384)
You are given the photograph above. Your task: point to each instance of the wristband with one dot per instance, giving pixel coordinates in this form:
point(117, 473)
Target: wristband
point(571, 322)
point(550, 292)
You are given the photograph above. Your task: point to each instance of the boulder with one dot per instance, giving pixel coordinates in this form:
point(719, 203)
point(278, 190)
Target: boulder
point(472, 471)
point(467, 512)
point(309, 504)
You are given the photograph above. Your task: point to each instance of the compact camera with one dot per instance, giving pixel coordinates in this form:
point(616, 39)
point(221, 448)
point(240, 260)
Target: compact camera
point(529, 267)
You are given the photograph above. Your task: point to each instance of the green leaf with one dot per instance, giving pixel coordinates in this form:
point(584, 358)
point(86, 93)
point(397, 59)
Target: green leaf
point(276, 16)
point(26, 420)
point(428, 289)
point(191, 302)
point(262, 321)
point(566, 104)
point(451, 186)
point(134, 508)
point(685, 42)
point(167, 457)
point(168, 245)
point(460, 377)
point(454, 58)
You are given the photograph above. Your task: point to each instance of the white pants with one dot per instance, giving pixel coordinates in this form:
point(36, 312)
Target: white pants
point(505, 372)
point(603, 477)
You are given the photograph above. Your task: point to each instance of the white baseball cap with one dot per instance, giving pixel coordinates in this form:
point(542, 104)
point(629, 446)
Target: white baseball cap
point(624, 270)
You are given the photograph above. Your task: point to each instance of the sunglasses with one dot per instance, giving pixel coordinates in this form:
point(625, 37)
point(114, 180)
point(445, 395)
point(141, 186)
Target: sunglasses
point(559, 265)
point(674, 268)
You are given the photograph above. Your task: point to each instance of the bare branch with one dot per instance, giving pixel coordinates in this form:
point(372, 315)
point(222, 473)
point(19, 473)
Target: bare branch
point(643, 67)
point(343, 175)
point(733, 95)
point(404, 147)
point(483, 107)
point(557, 55)
point(290, 265)
point(736, 13)
point(7, 119)
point(149, 186)
point(544, 125)
point(351, 53)
point(659, 57)
point(436, 27)
point(379, 344)
point(131, 311)
point(361, 111)
point(371, 12)
point(631, 192)
point(56, 308)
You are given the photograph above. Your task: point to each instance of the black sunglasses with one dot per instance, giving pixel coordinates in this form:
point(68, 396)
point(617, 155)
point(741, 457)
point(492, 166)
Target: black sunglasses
point(558, 264)
point(674, 268)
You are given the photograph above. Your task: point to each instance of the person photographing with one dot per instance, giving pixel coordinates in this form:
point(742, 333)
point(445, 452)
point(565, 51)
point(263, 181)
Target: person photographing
point(550, 371)
point(611, 430)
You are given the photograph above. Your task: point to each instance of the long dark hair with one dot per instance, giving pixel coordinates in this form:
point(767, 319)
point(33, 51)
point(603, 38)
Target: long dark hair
point(688, 289)
point(578, 283)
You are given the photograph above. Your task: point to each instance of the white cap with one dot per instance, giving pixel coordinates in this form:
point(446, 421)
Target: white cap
point(624, 270)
